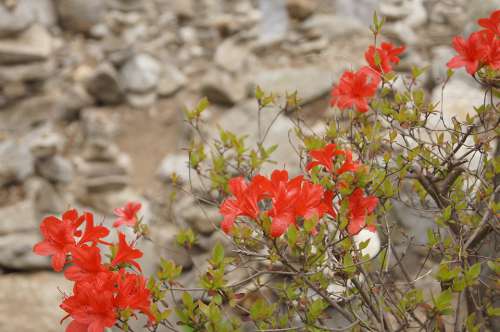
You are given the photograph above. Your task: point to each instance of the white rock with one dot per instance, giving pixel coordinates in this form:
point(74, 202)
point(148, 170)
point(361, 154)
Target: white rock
point(373, 246)
point(16, 161)
point(17, 19)
point(141, 73)
point(34, 44)
point(171, 81)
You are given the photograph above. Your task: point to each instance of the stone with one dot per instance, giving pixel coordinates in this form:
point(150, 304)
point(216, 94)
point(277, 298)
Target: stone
point(223, 88)
point(32, 71)
point(310, 82)
point(274, 22)
point(202, 218)
point(359, 10)
point(44, 11)
point(106, 183)
point(34, 44)
point(165, 237)
point(55, 169)
point(171, 81)
point(80, 15)
point(232, 56)
point(16, 161)
point(142, 100)
point(39, 303)
point(300, 9)
point(15, 20)
point(175, 163)
point(104, 85)
point(334, 27)
point(45, 142)
point(18, 217)
point(242, 119)
point(141, 73)
point(17, 252)
point(47, 197)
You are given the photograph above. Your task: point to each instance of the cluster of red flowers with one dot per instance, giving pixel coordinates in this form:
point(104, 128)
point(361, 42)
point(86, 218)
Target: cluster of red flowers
point(355, 89)
point(285, 201)
point(481, 48)
point(101, 290)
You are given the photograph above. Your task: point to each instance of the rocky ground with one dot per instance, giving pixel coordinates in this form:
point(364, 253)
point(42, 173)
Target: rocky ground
point(92, 94)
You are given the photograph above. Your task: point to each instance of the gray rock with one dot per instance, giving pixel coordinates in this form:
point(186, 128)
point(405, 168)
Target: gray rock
point(174, 163)
point(274, 22)
point(242, 120)
point(171, 81)
point(44, 11)
point(106, 183)
point(142, 100)
point(104, 85)
point(16, 161)
point(40, 304)
point(45, 142)
point(360, 10)
point(80, 15)
point(165, 237)
point(18, 217)
point(33, 44)
point(17, 252)
point(232, 56)
point(141, 73)
point(223, 88)
point(310, 82)
point(334, 27)
point(55, 169)
point(48, 198)
point(301, 9)
point(15, 20)
point(32, 71)
point(202, 218)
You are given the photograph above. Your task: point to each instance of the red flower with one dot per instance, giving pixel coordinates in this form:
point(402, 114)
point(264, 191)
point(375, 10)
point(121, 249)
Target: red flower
point(348, 165)
point(126, 253)
point(243, 203)
point(133, 294)
point(92, 234)
point(355, 89)
point(323, 157)
point(380, 59)
point(127, 215)
point(492, 46)
point(470, 52)
point(91, 306)
point(359, 207)
point(328, 203)
point(86, 264)
point(58, 237)
point(492, 23)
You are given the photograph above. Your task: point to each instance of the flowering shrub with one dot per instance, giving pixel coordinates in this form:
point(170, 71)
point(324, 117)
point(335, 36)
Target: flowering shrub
point(319, 250)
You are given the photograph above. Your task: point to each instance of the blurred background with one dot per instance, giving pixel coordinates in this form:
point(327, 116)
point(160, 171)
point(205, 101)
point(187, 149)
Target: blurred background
point(92, 94)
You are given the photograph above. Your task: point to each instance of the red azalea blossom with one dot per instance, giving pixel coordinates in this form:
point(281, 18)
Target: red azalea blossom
point(126, 254)
point(470, 52)
point(355, 89)
point(91, 306)
point(58, 238)
point(93, 234)
point(127, 215)
point(382, 58)
point(492, 46)
point(133, 294)
point(348, 165)
point(323, 157)
point(243, 203)
point(492, 23)
point(359, 207)
point(86, 264)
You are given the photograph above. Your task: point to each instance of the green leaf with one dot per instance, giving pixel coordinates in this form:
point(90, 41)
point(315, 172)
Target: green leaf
point(218, 254)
